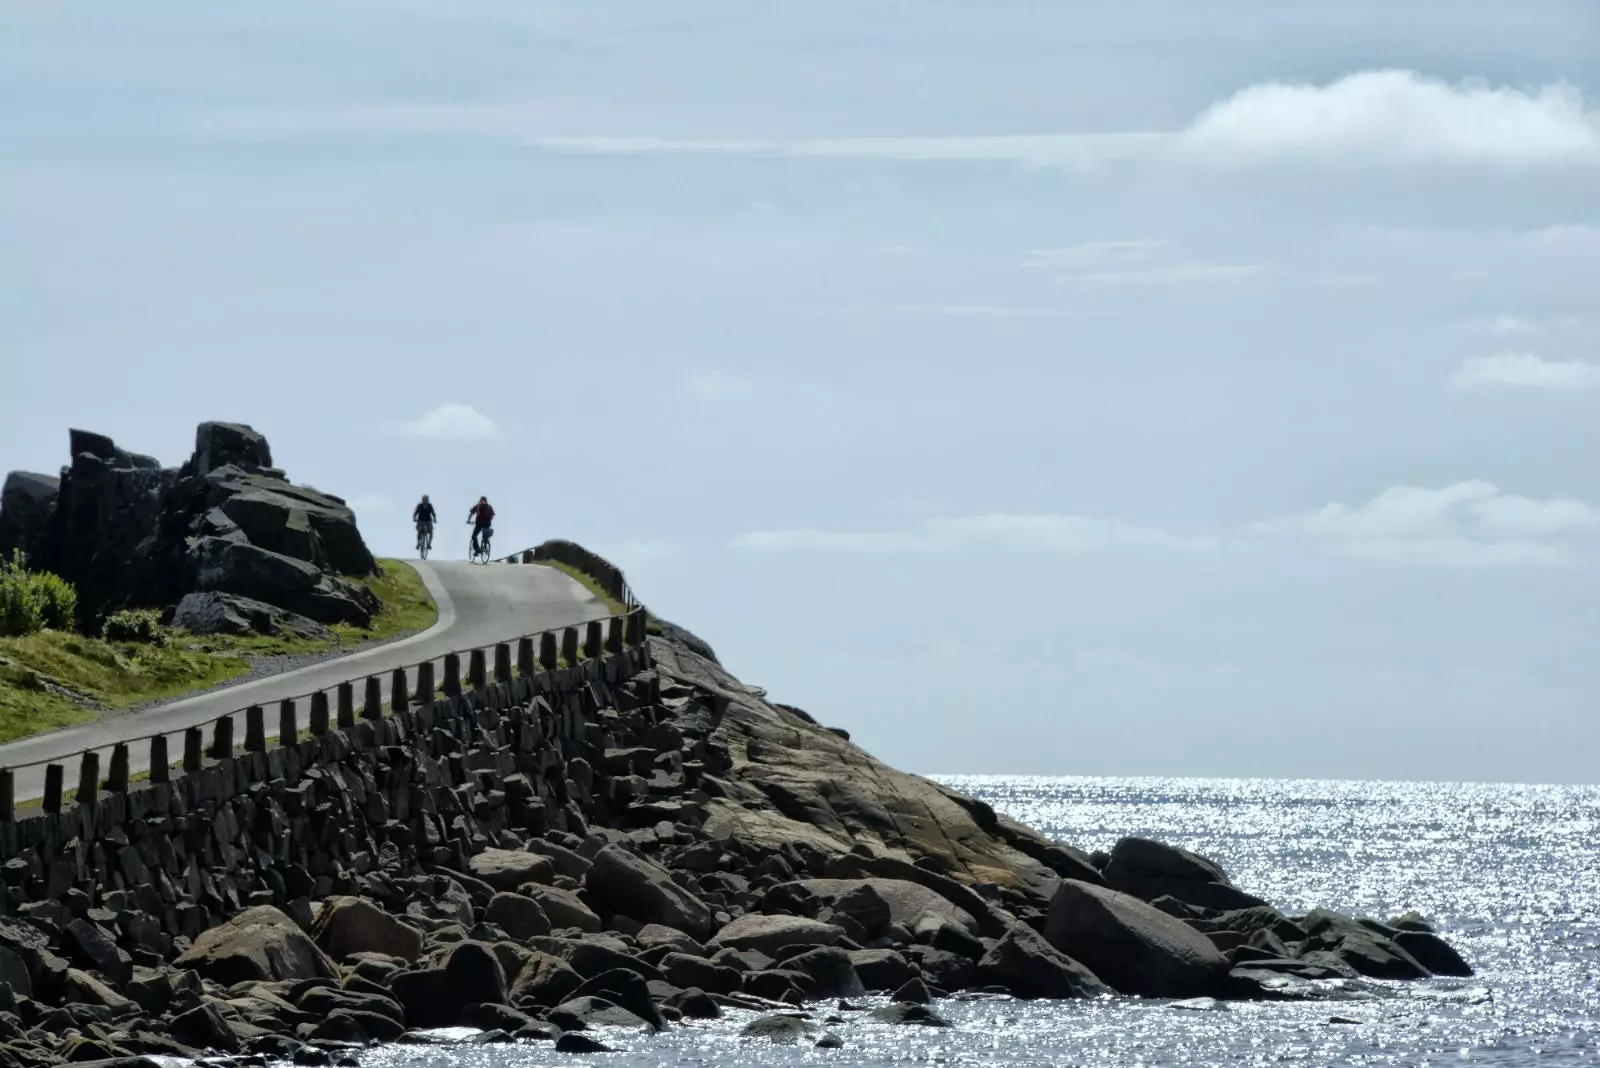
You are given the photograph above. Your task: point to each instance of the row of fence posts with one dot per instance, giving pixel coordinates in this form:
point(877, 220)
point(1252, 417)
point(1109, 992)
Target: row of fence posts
point(600, 637)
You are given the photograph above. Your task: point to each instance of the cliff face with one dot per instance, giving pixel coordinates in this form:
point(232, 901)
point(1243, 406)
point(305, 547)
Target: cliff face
point(785, 778)
point(227, 524)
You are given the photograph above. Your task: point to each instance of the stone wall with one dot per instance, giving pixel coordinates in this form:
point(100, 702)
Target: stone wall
point(607, 576)
point(307, 813)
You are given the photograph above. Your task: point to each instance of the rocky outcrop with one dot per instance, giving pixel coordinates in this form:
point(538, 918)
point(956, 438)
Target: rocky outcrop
point(1133, 948)
point(228, 613)
point(26, 504)
point(507, 859)
point(128, 532)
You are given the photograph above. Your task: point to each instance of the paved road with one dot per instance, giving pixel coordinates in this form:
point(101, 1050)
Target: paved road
point(479, 605)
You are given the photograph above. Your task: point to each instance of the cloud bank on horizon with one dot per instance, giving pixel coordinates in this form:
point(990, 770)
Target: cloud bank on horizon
point(1234, 391)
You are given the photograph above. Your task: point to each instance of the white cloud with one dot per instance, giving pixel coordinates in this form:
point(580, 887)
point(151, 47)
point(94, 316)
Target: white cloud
point(454, 421)
point(1466, 524)
point(1525, 370)
point(1396, 116)
point(1051, 533)
point(979, 311)
point(1379, 117)
point(1135, 263)
point(1470, 524)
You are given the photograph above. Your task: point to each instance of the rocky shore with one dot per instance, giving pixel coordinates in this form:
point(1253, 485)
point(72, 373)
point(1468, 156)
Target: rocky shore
point(640, 847)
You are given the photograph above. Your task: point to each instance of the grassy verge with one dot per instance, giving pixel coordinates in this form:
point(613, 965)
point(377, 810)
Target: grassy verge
point(54, 679)
point(614, 606)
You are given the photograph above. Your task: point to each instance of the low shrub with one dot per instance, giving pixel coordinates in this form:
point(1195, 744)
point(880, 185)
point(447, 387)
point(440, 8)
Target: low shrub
point(132, 625)
point(34, 600)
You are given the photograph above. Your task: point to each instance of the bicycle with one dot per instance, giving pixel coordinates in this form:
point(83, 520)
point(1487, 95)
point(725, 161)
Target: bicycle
point(478, 548)
point(424, 539)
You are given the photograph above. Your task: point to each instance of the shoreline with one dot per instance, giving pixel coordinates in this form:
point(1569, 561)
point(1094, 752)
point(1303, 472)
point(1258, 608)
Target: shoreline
point(636, 841)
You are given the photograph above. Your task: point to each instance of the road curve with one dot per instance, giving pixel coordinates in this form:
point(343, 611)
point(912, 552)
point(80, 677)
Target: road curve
point(479, 605)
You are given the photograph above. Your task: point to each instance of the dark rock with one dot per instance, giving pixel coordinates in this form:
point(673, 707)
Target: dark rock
point(26, 505)
point(520, 917)
point(948, 971)
point(1134, 948)
point(261, 944)
point(635, 887)
point(474, 975)
point(626, 989)
point(1433, 953)
point(91, 947)
point(506, 870)
point(365, 1025)
point(829, 1040)
point(778, 985)
point(1029, 967)
point(695, 1004)
point(830, 972)
point(204, 1027)
point(685, 971)
point(778, 1029)
point(221, 444)
point(906, 1012)
point(653, 934)
point(564, 908)
point(1370, 952)
point(913, 990)
point(350, 925)
point(227, 613)
point(771, 933)
point(495, 1018)
point(592, 956)
point(577, 1014)
point(426, 996)
point(300, 586)
point(1148, 870)
point(881, 970)
point(571, 1042)
point(545, 980)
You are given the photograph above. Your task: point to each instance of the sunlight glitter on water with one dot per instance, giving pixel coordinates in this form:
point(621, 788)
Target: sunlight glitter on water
point(1510, 874)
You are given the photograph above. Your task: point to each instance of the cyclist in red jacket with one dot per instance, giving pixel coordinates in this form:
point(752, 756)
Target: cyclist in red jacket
point(480, 516)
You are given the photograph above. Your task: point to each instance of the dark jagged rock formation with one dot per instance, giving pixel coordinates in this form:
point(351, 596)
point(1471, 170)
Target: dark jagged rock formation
point(628, 842)
point(128, 532)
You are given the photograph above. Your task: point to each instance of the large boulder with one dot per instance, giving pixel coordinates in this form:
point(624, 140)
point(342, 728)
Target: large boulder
point(519, 916)
point(1134, 948)
point(221, 444)
point(630, 885)
point(260, 944)
point(768, 934)
point(299, 522)
point(1029, 967)
point(1148, 870)
point(872, 903)
point(507, 869)
point(350, 925)
point(1370, 948)
point(564, 908)
point(228, 566)
point(229, 613)
point(27, 502)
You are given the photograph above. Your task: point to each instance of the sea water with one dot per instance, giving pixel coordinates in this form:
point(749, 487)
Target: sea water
point(1509, 874)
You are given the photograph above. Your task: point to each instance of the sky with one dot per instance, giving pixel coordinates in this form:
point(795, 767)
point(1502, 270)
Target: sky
point(1136, 387)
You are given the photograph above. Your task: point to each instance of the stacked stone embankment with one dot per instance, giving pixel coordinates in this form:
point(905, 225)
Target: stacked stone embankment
point(616, 833)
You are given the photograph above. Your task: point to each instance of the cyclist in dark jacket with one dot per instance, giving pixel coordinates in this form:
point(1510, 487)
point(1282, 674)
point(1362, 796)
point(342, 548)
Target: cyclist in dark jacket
point(480, 516)
point(424, 517)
